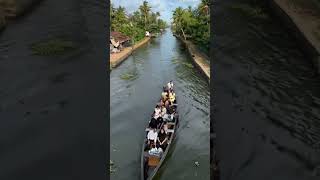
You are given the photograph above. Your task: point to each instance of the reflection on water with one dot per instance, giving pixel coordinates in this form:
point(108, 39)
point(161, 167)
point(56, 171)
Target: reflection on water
point(135, 88)
point(274, 87)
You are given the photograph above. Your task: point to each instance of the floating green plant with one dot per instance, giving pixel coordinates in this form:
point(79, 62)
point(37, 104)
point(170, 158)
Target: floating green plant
point(128, 76)
point(52, 47)
point(175, 61)
point(138, 60)
point(188, 64)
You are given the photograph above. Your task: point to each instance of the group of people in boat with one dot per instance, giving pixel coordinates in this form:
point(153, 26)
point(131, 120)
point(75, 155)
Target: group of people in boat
point(164, 112)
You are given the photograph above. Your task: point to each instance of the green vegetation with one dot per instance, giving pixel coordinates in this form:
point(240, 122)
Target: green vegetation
point(193, 24)
point(129, 76)
point(189, 65)
point(134, 25)
point(52, 47)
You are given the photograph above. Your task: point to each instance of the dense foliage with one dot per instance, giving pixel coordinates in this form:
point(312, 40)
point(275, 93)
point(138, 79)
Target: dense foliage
point(135, 24)
point(193, 24)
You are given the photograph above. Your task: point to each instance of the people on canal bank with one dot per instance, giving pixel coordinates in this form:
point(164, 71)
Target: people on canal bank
point(152, 136)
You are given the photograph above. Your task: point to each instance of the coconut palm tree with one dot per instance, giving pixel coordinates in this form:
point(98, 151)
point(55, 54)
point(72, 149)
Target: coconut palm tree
point(157, 16)
point(204, 7)
point(145, 9)
point(177, 19)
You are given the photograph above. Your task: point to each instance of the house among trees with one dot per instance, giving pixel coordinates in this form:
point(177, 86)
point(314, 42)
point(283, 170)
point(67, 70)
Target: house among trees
point(118, 41)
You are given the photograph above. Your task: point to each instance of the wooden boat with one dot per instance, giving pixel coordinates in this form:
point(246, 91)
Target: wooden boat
point(150, 164)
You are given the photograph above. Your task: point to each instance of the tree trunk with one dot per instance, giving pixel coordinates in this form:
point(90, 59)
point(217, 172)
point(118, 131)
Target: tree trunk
point(184, 36)
point(145, 22)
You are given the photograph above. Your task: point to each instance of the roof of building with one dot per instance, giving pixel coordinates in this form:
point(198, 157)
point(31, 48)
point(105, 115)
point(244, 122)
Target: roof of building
point(119, 36)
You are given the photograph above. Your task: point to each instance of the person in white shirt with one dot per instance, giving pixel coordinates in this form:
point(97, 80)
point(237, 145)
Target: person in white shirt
point(152, 136)
point(157, 112)
point(170, 85)
point(155, 150)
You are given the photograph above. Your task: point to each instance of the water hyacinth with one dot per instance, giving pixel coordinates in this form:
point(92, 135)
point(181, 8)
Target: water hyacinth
point(189, 65)
point(52, 47)
point(129, 76)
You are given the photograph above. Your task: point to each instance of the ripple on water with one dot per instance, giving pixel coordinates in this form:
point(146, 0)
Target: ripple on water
point(273, 78)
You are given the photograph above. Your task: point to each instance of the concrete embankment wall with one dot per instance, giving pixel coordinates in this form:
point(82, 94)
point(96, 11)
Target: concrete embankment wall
point(293, 28)
point(199, 59)
point(126, 53)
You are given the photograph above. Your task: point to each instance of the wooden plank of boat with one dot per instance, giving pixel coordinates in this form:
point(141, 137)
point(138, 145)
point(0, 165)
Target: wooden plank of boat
point(150, 164)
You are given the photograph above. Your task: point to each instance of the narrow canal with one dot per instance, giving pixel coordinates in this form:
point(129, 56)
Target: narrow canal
point(268, 94)
point(135, 88)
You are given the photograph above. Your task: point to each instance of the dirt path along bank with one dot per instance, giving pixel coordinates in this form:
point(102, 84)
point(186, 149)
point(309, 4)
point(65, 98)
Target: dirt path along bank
point(117, 58)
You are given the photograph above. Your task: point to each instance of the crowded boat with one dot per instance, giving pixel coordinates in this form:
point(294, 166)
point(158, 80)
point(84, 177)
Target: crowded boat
point(159, 132)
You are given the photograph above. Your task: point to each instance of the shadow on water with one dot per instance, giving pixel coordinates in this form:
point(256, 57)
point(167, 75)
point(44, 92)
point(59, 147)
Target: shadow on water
point(133, 99)
point(275, 92)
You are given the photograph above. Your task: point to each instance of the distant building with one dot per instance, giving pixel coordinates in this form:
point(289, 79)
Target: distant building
point(118, 41)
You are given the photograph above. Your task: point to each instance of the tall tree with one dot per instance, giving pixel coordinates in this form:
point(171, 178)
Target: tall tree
point(145, 9)
point(157, 16)
point(193, 24)
point(177, 19)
